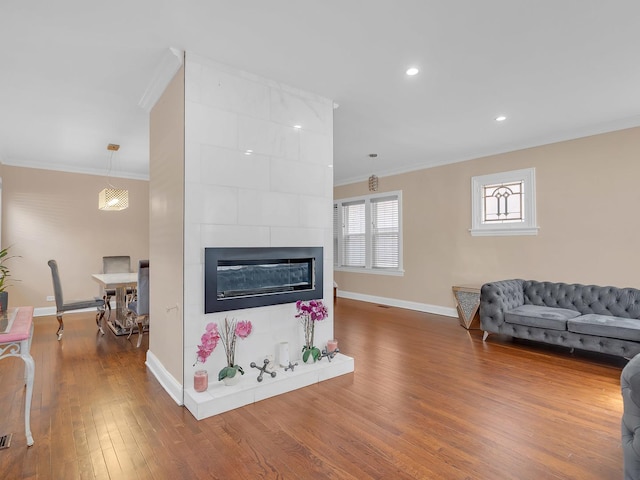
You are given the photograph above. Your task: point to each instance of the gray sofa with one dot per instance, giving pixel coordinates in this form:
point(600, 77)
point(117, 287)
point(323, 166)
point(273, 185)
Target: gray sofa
point(587, 317)
point(630, 386)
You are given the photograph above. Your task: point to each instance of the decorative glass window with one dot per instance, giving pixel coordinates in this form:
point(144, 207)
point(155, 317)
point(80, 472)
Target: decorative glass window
point(367, 234)
point(504, 203)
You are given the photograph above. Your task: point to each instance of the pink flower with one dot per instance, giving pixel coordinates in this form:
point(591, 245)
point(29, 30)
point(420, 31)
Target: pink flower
point(315, 310)
point(208, 342)
point(243, 328)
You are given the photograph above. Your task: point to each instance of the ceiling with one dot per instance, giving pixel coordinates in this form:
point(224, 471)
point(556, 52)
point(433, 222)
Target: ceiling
point(73, 71)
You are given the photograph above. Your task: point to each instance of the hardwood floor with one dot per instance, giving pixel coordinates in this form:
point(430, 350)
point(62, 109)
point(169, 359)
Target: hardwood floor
point(428, 400)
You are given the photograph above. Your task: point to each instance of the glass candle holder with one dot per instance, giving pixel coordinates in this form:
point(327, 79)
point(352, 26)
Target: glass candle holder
point(200, 381)
point(332, 345)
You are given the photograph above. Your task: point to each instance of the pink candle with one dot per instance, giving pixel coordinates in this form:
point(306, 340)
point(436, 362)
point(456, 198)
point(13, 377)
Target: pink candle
point(332, 345)
point(200, 381)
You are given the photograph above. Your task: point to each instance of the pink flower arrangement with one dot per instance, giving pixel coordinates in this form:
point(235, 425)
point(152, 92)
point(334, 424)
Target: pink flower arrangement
point(209, 341)
point(310, 313)
point(231, 332)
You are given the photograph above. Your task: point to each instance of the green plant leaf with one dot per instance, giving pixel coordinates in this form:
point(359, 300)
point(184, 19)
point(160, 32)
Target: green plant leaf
point(227, 372)
point(305, 354)
point(315, 351)
point(230, 372)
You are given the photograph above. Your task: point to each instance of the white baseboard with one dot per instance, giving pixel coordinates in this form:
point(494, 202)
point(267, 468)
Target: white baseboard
point(46, 311)
point(168, 382)
point(393, 302)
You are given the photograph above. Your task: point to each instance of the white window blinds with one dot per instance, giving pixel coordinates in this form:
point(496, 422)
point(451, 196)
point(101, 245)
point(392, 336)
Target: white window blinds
point(385, 232)
point(353, 234)
point(368, 233)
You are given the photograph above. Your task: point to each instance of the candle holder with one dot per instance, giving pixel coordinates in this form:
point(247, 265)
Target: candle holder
point(263, 369)
point(291, 366)
point(327, 354)
point(201, 381)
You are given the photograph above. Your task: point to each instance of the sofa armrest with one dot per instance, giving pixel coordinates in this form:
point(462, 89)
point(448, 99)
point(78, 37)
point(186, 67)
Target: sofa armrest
point(497, 298)
point(630, 387)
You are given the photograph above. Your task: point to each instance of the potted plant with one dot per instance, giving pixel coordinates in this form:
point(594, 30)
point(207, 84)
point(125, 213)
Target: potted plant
point(310, 313)
point(230, 333)
point(5, 273)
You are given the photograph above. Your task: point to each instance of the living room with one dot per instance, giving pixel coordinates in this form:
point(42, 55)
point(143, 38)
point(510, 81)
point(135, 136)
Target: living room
point(577, 180)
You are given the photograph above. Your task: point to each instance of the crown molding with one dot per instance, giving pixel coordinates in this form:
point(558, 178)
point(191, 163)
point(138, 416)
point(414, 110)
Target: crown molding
point(171, 61)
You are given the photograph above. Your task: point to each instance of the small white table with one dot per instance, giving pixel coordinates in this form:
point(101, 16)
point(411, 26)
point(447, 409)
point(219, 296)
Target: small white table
point(15, 341)
point(120, 282)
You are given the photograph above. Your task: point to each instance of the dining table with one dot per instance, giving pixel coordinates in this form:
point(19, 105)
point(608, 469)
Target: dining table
point(119, 282)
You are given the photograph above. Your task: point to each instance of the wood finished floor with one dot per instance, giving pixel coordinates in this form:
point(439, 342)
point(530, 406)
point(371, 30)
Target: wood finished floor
point(428, 400)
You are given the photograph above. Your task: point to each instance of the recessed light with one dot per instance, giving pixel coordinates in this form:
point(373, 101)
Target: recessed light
point(297, 127)
point(500, 118)
point(248, 152)
point(412, 71)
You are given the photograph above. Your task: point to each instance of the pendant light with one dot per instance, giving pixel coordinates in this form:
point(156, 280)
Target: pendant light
point(112, 198)
point(373, 179)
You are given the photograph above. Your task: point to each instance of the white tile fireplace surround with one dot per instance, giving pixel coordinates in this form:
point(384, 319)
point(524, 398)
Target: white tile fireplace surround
point(258, 174)
point(220, 398)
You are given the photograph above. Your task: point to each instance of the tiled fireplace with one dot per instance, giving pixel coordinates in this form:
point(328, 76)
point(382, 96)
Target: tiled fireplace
point(258, 175)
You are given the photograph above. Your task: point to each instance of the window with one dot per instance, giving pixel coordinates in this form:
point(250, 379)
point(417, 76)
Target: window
point(504, 204)
point(367, 234)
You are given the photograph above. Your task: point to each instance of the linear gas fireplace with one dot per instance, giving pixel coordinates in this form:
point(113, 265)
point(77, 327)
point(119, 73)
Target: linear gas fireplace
point(236, 278)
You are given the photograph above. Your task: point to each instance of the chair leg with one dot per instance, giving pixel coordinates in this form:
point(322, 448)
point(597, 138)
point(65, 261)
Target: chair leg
point(60, 327)
point(99, 317)
point(107, 305)
point(140, 332)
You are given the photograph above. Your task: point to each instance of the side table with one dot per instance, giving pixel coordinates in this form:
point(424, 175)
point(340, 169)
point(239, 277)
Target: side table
point(15, 341)
point(467, 303)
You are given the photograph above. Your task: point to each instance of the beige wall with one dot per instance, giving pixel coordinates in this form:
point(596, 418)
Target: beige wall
point(587, 199)
point(166, 170)
point(54, 215)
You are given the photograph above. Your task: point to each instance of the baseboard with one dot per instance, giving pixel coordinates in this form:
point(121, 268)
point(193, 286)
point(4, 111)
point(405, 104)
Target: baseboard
point(393, 302)
point(46, 311)
point(168, 382)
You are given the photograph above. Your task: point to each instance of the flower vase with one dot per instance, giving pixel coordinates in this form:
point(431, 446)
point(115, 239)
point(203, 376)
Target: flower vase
point(200, 381)
point(310, 355)
point(229, 380)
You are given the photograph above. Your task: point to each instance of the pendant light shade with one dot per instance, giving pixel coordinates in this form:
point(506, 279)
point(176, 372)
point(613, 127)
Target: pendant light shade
point(373, 179)
point(373, 183)
point(112, 198)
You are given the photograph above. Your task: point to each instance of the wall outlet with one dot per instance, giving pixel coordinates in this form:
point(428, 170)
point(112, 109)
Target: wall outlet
point(50, 298)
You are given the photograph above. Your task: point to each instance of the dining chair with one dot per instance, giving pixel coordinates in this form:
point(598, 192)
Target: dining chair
point(62, 307)
point(138, 310)
point(114, 264)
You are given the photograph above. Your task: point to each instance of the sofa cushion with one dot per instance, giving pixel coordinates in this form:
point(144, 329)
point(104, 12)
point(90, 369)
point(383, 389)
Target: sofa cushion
point(606, 326)
point(540, 317)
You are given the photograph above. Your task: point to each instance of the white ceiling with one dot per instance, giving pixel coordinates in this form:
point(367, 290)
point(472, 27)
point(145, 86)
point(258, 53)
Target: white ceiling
point(72, 73)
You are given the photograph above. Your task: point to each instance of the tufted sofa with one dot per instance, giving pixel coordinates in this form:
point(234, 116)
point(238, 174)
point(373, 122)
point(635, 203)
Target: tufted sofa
point(630, 386)
point(588, 317)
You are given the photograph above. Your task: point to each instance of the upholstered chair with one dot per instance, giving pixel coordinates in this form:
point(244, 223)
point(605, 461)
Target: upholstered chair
point(630, 383)
point(114, 264)
point(138, 310)
point(62, 307)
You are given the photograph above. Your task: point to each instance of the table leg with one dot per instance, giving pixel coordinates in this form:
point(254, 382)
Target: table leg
point(30, 369)
point(119, 324)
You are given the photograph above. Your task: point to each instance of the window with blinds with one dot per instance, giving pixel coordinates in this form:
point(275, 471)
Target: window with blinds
point(367, 233)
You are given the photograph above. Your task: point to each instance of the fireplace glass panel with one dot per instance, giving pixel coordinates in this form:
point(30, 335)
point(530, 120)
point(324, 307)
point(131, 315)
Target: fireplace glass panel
point(238, 278)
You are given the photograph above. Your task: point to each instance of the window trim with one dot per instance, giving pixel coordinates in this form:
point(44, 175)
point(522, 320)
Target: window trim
point(399, 271)
point(527, 227)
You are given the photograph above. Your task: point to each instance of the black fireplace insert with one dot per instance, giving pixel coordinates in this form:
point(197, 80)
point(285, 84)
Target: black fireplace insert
point(236, 278)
